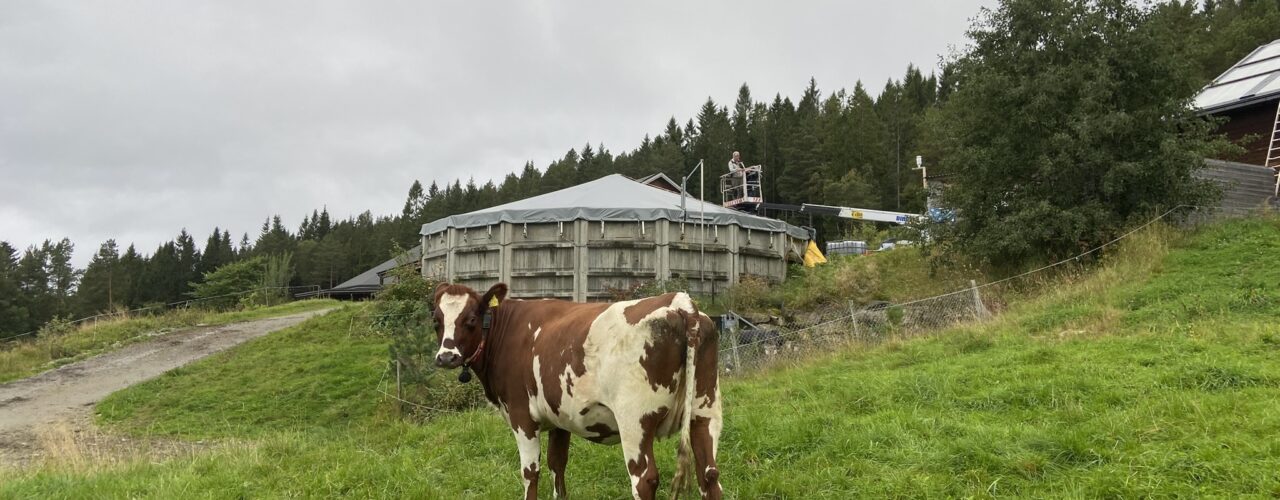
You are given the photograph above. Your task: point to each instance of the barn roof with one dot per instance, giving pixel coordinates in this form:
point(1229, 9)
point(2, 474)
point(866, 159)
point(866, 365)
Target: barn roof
point(1256, 78)
point(370, 281)
point(613, 198)
point(660, 181)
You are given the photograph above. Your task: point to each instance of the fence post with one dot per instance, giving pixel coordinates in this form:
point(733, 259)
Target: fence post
point(853, 318)
point(399, 391)
point(733, 334)
point(979, 310)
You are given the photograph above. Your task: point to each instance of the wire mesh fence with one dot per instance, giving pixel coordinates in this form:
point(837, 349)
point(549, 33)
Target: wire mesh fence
point(746, 345)
point(744, 348)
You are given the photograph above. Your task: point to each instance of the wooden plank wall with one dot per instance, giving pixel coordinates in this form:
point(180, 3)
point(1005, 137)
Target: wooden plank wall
point(589, 261)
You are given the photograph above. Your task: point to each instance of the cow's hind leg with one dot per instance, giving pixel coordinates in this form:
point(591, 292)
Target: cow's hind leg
point(557, 458)
point(530, 449)
point(637, 447)
point(705, 436)
point(704, 427)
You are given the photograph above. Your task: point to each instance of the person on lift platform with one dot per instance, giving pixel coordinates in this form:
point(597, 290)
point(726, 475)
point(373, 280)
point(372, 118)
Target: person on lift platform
point(750, 175)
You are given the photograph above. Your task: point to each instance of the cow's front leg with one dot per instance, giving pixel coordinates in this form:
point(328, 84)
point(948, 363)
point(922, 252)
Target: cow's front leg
point(530, 449)
point(558, 457)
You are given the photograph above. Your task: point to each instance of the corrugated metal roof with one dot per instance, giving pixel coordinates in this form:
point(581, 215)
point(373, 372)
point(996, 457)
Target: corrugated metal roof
point(370, 278)
point(1255, 78)
point(613, 198)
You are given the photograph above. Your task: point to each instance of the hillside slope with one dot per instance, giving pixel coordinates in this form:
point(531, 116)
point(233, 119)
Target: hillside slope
point(29, 356)
point(1156, 375)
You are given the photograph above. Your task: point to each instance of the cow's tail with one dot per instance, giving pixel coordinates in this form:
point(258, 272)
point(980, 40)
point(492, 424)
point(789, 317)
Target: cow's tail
point(684, 454)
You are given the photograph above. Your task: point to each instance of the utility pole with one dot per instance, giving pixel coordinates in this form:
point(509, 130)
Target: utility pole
point(702, 217)
point(897, 178)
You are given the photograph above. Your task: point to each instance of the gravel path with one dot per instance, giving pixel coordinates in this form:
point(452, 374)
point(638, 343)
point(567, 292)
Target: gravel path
point(62, 399)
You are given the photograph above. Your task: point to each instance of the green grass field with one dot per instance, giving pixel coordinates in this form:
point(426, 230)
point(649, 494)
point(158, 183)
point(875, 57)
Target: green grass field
point(1157, 374)
point(24, 358)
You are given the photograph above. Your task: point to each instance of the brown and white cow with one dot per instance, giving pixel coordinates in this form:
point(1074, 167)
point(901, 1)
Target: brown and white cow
point(627, 372)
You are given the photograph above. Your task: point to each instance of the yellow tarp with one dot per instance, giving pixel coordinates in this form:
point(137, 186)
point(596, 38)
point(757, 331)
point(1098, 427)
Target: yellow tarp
point(813, 256)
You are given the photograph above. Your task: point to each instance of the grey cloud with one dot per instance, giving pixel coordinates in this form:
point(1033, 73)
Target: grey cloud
point(132, 120)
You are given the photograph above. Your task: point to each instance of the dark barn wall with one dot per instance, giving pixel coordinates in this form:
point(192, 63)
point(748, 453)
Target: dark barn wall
point(1256, 120)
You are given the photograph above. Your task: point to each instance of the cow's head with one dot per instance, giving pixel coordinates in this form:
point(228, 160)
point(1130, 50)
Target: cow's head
point(459, 316)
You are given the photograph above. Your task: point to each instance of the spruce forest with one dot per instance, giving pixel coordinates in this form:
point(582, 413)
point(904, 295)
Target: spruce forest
point(851, 145)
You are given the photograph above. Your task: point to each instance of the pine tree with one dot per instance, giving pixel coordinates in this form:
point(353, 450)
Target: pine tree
point(63, 277)
point(322, 229)
point(801, 149)
point(275, 239)
point(584, 169)
point(562, 173)
point(712, 145)
point(245, 248)
point(675, 134)
point(188, 261)
point(99, 288)
point(13, 313)
point(217, 252)
point(33, 279)
point(741, 121)
point(304, 229)
point(132, 267)
point(415, 202)
point(782, 117)
point(865, 152)
point(530, 179)
point(510, 186)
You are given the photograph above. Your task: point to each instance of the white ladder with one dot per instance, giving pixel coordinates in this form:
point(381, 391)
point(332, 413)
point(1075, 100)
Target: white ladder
point(1273, 151)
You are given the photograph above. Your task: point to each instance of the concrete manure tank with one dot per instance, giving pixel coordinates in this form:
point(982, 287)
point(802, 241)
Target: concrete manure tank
point(578, 243)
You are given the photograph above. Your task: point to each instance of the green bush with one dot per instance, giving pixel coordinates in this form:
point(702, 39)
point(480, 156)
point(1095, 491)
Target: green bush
point(220, 285)
point(752, 293)
point(402, 314)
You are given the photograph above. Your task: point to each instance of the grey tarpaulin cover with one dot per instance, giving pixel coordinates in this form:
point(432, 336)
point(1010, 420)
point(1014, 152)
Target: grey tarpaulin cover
point(613, 198)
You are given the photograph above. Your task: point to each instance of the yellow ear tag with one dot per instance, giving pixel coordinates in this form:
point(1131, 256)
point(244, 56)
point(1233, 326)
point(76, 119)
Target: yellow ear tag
point(493, 301)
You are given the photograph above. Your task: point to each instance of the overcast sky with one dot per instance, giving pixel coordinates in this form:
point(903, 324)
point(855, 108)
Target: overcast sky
point(132, 120)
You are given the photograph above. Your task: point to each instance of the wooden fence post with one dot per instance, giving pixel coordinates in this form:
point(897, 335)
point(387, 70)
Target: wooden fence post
point(733, 334)
point(979, 310)
point(853, 317)
point(399, 391)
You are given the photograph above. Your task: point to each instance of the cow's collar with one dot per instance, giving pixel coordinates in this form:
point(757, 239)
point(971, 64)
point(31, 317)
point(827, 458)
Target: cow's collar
point(486, 324)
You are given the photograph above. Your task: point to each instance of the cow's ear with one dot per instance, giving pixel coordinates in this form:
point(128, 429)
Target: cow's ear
point(496, 294)
point(435, 297)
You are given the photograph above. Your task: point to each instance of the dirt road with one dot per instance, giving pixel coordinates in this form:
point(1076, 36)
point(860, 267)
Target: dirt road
point(63, 399)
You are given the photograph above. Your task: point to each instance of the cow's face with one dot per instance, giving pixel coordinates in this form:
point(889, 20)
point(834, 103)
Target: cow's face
point(459, 315)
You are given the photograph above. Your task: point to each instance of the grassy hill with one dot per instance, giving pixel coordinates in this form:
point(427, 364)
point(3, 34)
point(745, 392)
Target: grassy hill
point(23, 358)
point(1155, 375)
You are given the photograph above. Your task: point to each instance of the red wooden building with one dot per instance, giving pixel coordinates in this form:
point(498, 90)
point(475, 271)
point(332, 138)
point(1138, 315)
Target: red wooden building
point(1248, 96)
